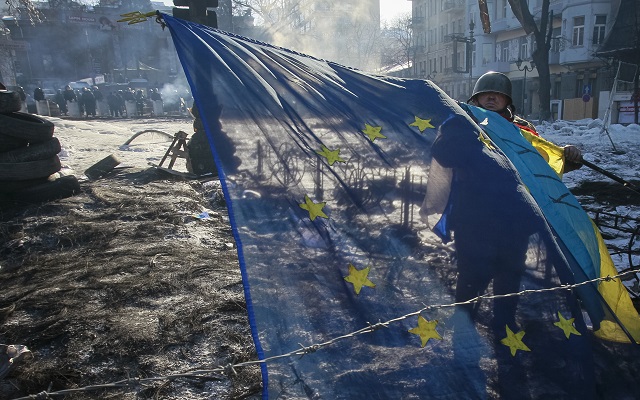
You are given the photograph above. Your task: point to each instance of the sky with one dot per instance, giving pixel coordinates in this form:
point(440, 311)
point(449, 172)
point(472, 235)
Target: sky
point(389, 9)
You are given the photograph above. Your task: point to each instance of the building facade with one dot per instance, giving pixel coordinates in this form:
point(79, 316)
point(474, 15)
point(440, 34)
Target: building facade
point(449, 31)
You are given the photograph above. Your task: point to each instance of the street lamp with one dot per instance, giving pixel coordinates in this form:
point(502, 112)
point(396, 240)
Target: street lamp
point(524, 83)
point(432, 75)
point(472, 25)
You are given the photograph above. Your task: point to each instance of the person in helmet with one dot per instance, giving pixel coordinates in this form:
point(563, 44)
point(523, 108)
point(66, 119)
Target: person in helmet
point(492, 91)
point(493, 223)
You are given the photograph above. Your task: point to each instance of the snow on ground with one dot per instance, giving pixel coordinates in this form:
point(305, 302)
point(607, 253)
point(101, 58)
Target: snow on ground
point(598, 147)
point(616, 150)
point(85, 142)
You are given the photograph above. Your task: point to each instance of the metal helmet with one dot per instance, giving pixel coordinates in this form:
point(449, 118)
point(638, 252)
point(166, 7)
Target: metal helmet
point(493, 82)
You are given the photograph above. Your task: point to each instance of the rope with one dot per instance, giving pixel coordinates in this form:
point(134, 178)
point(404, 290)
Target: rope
point(231, 369)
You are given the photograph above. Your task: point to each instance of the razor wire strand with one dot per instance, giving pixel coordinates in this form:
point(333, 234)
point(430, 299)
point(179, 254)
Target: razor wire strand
point(230, 369)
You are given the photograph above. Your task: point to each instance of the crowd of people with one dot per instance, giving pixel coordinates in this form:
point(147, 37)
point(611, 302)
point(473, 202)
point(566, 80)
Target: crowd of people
point(93, 101)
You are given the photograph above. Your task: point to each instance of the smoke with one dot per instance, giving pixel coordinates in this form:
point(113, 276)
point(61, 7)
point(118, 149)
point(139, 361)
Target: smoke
point(176, 90)
point(346, 32)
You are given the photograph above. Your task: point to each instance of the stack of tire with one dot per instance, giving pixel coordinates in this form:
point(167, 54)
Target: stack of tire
point(29, 162)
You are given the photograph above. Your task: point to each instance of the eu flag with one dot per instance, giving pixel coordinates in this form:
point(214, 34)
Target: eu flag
point(370, 214)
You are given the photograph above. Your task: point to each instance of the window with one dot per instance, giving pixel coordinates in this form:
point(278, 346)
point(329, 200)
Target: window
point(487, 53)
point(505, 53)
point(524, 49)
point(556, 40)
point(502, 8)
point(598, 29)
point(473, 55)
point(578, 31)
point(557, 89)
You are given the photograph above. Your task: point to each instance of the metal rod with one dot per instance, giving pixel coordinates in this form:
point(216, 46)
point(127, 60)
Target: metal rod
point(612, 176)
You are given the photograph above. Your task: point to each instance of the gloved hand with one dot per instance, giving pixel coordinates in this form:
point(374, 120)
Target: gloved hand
point(572, 154)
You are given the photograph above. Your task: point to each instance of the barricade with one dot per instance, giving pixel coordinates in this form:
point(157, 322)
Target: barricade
point(130, 107)
point(73, 109)
point(158, 109)
point(42, 108)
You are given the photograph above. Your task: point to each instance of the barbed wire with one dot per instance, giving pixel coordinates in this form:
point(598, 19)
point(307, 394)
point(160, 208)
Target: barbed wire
point(230, 369)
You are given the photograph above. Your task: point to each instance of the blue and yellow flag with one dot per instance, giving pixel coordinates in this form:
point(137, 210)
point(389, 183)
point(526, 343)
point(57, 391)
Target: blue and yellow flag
point(332, 177)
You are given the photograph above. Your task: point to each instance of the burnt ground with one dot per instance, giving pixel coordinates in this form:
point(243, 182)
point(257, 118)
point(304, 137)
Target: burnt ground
point(607, 194)
point(123, 281)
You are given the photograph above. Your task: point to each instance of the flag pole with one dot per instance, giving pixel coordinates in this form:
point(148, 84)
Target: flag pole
point(612, 176)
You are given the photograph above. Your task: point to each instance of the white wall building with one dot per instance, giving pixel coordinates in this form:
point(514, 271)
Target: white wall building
point(579, 28)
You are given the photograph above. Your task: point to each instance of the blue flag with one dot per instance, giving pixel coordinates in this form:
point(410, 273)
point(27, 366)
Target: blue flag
point(370, 213)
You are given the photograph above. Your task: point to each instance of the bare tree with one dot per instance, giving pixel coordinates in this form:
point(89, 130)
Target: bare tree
point(398, 48)
point(317, 28)
point(542, 33)
point(277, 17)
point(14, 5)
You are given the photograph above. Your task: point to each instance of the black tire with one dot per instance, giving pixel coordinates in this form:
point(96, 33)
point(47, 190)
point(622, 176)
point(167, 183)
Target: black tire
point(16, 186)
point(8, 143)
point(38, 151)
point(60, 188)
point(200, 158)
point(26, 126)
point(30, 169)
point(9, 101)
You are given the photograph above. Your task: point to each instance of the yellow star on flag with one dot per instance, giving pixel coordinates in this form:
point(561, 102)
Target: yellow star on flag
point(485, 139)
point(359, 278)
point(315, 209)
point(567, 326)
point(426, 330)
point(373, 132)
point(422, 124)
point(514, 341)
point(331, 155)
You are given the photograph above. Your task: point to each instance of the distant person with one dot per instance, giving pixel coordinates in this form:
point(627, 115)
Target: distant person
point(23, 99)
point(80, 101)
point(155, 95)
point(120, 95)
point(114, 105)
point(62, 103)
point(38, 94)
point(156, 102)
point(140, 103)
point(69, 94)
point(97, 93)
point(89, 102)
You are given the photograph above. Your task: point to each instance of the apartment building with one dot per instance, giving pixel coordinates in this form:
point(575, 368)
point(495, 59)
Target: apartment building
point(580, 81)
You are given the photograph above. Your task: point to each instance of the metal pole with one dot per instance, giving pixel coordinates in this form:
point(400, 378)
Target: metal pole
point(524, 93)
point(470, 56)
point(608, 174)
